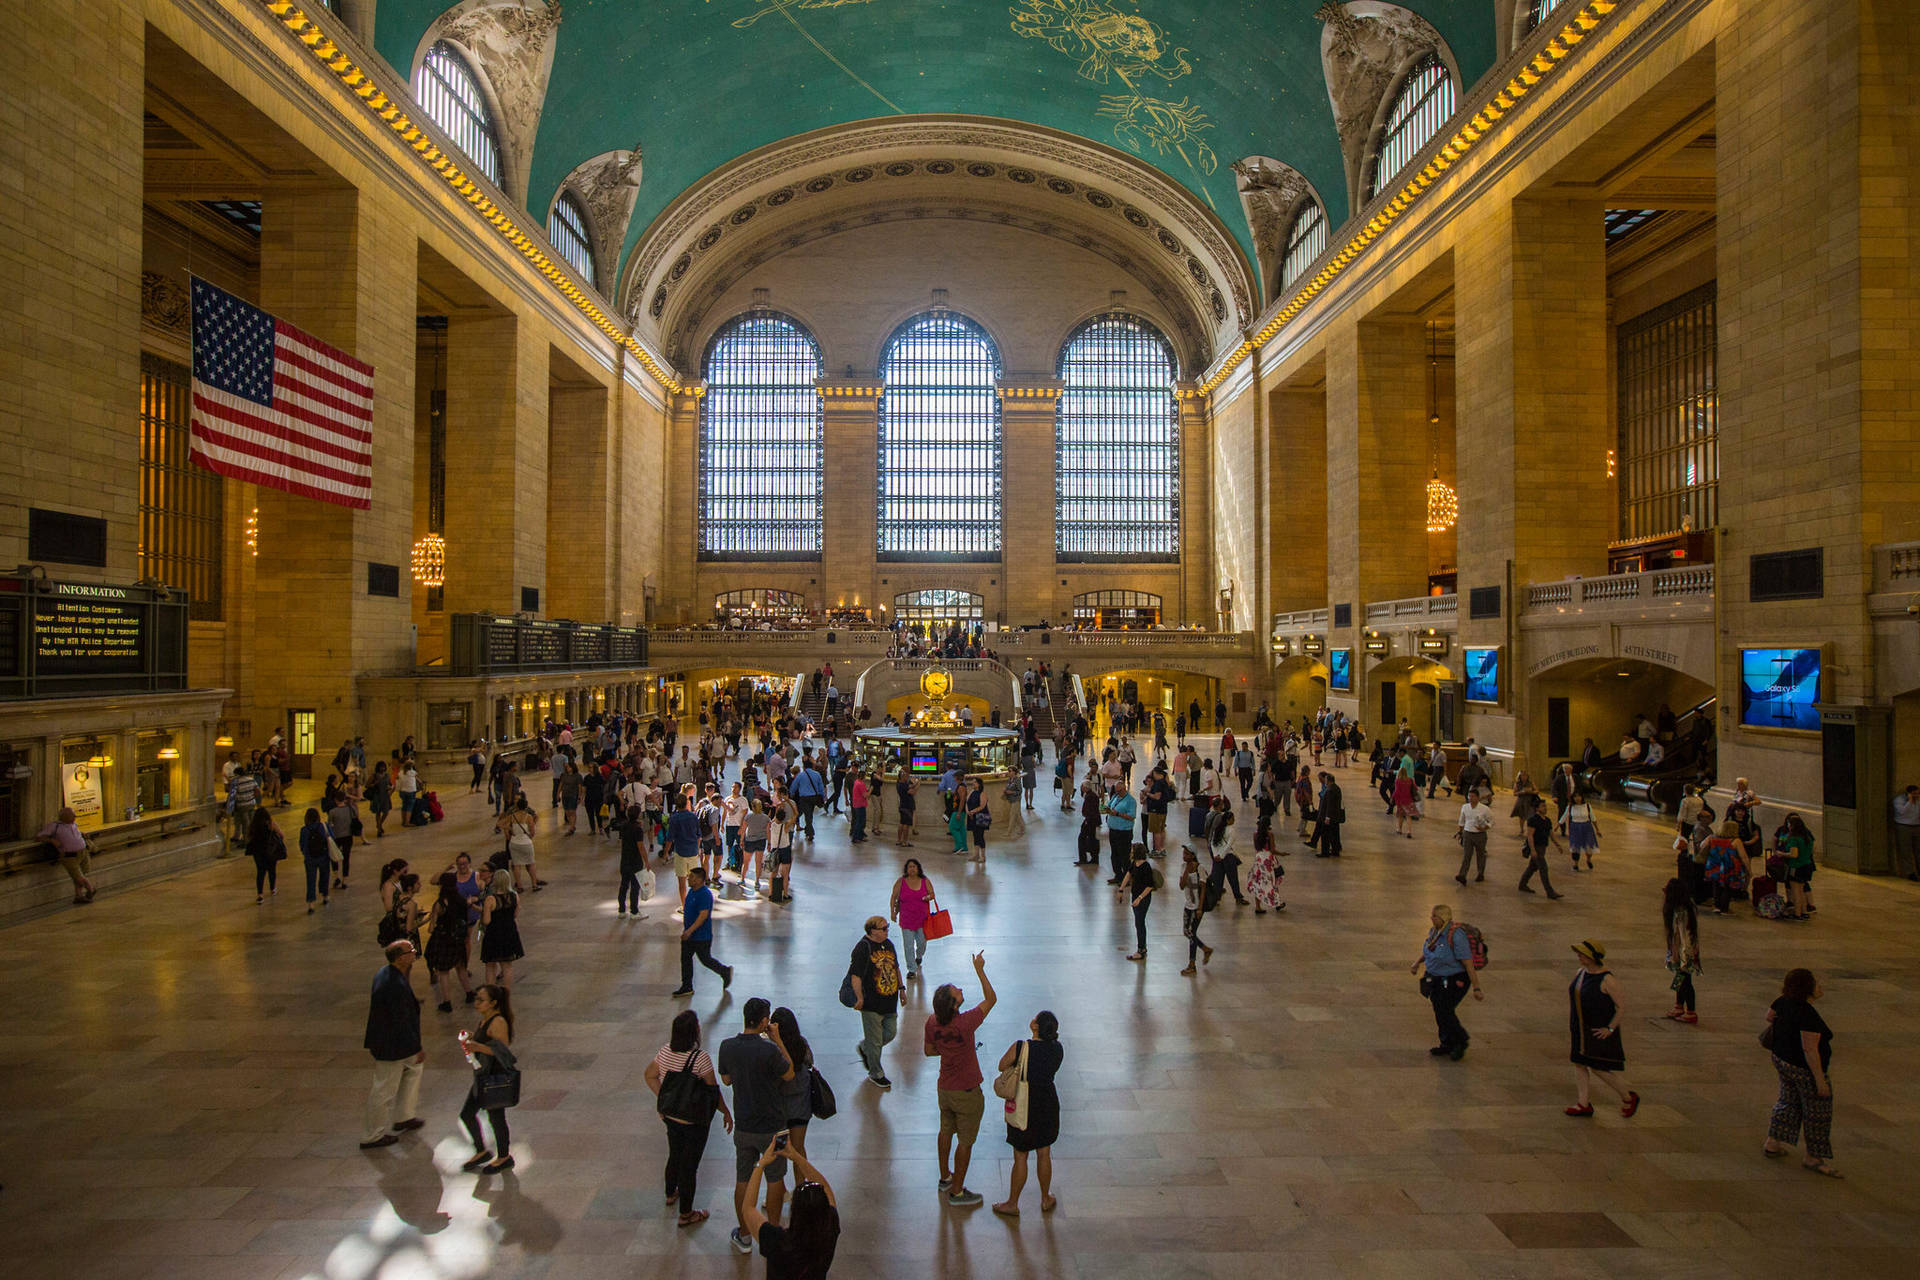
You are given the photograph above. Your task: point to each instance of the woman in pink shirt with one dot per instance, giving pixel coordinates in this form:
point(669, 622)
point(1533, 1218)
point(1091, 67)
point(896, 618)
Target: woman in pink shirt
point(912, 901)
point(857, 806)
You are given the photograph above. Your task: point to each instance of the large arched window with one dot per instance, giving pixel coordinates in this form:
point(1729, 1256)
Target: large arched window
point(1306, 241)
point(446, 89)
point(1423, 103)
point(760, 442)
point(1117, 445)
point(938, 608)
point(567, 230)
point(940, 441)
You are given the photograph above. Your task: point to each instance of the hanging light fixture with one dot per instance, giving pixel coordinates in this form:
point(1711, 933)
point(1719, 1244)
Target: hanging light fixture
point(1443, 507)
point(430, 561)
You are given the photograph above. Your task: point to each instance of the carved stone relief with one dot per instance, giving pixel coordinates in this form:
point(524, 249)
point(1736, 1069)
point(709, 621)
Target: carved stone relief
point(1365, 47)
point(164, 302)
point(607, 186)
point(1271, 193)
point(511, 42)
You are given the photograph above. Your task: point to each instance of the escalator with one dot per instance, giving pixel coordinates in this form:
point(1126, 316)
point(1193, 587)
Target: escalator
point(1690, 761)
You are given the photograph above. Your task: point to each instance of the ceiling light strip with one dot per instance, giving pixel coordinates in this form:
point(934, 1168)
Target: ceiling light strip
point(390, 113)
point(1530, 75)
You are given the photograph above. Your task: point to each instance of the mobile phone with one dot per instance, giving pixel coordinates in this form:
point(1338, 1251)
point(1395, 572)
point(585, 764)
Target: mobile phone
point(780, 1140)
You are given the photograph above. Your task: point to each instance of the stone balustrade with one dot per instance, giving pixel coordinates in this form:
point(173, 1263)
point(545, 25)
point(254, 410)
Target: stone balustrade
point(1622, 590)
point(1413, 608)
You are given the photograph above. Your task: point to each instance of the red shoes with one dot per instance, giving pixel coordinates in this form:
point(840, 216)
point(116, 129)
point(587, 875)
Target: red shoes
point(1631, 1105)
point(1583, 1109)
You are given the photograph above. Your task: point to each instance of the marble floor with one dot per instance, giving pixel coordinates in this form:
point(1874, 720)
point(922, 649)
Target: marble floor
point(181, 1080)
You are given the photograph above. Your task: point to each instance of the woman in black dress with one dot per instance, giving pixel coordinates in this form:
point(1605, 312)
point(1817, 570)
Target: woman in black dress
point(1044, 1055)
point(446, 949)
point(1593, 1019)
point(499, 931)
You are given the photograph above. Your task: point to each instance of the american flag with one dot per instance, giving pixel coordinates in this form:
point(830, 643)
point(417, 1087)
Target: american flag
point(276, 406)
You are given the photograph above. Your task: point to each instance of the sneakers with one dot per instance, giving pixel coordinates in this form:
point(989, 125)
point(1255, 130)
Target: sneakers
point(726, 979)
point(742, 1242)
point(880, 1082)
point(681, 991)
point(964, 1199)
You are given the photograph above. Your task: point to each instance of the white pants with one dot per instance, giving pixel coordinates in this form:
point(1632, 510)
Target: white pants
point(395, 1096)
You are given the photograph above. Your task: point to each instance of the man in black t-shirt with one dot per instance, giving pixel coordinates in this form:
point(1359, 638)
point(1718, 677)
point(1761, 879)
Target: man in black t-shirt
point(1155, 796)
point(1539, 838)
point(1137, 890)
point(754, 1063)
point(875, 972)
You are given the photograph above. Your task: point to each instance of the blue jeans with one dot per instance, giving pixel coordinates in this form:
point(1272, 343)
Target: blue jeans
point(877, 1032)
point(319, 875)
point(915, 948)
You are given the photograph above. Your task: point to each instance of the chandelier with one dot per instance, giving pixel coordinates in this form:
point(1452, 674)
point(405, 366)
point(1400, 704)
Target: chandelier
point(430, 561)
point(1442, 507)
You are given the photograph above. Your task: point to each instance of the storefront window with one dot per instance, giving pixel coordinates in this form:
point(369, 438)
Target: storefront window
point(85, 776)
point(157, 767)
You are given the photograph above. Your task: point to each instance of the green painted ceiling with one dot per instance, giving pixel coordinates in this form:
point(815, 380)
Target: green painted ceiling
point(1189, 85)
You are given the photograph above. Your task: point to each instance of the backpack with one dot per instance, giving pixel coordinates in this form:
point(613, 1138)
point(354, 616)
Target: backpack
point(1476, 943)
point(389, 930)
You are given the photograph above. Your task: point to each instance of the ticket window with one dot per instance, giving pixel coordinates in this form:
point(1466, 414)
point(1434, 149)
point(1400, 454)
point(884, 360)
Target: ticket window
point(157, 770)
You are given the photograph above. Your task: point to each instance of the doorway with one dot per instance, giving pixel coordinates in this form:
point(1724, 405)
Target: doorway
point(303, 732)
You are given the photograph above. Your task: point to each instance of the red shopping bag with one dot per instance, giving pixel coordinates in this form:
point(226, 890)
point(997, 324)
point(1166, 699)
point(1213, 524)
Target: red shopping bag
point(939, 924)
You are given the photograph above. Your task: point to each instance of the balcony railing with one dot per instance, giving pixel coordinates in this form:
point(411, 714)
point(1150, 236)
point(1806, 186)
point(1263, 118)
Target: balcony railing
point(1692, 582)
point(1302, 620)
point(1414, 608)
point(1024, 643)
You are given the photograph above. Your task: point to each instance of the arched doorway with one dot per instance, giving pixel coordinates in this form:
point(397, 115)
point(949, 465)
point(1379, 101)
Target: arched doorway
point(1406, 689)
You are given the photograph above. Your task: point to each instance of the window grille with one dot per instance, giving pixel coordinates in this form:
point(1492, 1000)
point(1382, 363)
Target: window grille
point(938, 608)
point(451, 97)
point(1306, 241)
point(1669, 437)
point(1423, 104)
point(1117, 609)
point(182, 517)
point(244, 214)
point(1621, 223)
point(567, 229)
point(1117, 445)
point(939, 466)
point(760, 602)
point(761, 455)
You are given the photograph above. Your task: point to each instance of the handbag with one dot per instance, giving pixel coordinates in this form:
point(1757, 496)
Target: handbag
point(820, 1099)
point(939, 924)
point(648, 883)
point(981, 820)
point(1766, 1036)
point(847, 997)
point(686, 1097)
point(333, 850)
point(1022, 1095)
point(499, 1089)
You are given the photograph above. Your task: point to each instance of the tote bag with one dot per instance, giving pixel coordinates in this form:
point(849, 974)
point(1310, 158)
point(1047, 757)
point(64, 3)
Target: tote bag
point(939, 924)
point(1011, 1084)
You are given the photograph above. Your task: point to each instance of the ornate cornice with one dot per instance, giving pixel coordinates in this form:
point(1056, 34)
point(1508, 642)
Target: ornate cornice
point(1031, 390)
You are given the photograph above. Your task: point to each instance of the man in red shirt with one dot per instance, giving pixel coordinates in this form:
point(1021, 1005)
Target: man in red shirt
point(949, 1037)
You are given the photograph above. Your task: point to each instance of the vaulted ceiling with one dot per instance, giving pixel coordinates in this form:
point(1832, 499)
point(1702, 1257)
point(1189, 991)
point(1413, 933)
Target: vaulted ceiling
point(1189, 86)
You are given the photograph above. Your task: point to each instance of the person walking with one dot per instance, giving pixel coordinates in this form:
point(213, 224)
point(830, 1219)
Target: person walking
point(912, 902)
point(1406, 800)
point(316, 854)
point(490, 1048)
point(268, 849)
point(1538, 838)
point(1137, 890)
point(1580, 827)
point(1802, 1047)
point(500, 928)
point(1265, 877)
point(1796, 841)
point(873, 973)
point(753, 1064)
point(1683, 948)
point(341, 821)
point(1039, 1059)
point(631, 827)
point(1906, 831)
point(796, 1093)
point(696, 934)
point(393, 1038)
point(755, 826)
point(447, 939)
point(957, 829)
point(518, 824)
point(1476, 820)
point(979, 818)
point(949, 1037)
point(1193, 887)
point(1328, 817)
point(686, 1095)
point(1594, 1013)
point(1445, 969)
point(904, 790)
point(783, 818)
point(857, 800)
point(1121, 810)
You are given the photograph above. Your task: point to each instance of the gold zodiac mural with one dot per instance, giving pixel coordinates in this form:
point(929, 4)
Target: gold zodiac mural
point(1111, 44)
point(1165, 126)
point(781, 6)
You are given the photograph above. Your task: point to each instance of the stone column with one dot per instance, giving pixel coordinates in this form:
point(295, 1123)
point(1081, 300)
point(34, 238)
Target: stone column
point(851, 411)
point(1201, 590)
point(338, 264)
point(1029, 423)
point(581, 502)
point(1296, 500)
point(680, 572)
point(496, 463)
point(1376, 479)
point(1535, 419)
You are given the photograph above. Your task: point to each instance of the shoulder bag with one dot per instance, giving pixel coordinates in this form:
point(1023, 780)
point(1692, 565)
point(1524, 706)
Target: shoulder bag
point(820, 1100)
point(1011, 1084)
point(684, 1096)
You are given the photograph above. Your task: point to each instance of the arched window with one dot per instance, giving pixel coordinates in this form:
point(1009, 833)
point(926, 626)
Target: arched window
point(938, 608)
point(1423, 104)
point(1306, 241)
point(567, 229)
point(1116, 610)
point(447, 90)
point(1537, 11)
point(760, 602)
point(940, 441)
point(760, 442)
point(1117, 445)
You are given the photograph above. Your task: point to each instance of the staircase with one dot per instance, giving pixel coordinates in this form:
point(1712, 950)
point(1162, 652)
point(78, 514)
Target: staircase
point(1048, 719)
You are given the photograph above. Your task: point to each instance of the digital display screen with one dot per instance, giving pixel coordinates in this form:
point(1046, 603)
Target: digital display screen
point(1340, 670)
point(1483, 675)
point(1778, 688)
point(923, 761)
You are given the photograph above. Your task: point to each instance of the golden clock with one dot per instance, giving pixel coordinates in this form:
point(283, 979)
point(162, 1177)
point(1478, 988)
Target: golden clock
point(936, 684)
